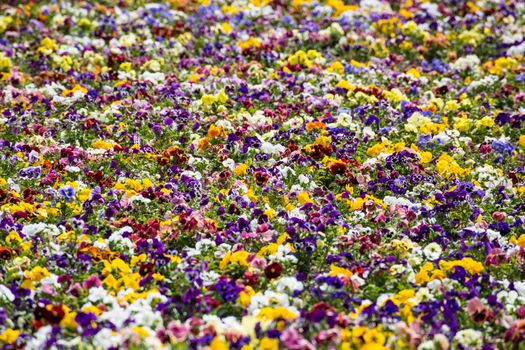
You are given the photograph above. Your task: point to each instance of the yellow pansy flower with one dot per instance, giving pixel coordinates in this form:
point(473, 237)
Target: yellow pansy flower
point(304, 198)
point(269, 313)
point(9, 336)
point(470, 265)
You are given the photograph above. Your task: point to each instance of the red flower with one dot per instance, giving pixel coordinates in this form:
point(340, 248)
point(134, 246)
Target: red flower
point(477, 310)
point(52, 314)
point(337, 168)
point(273, 270)
point(5, 253)
point(516, 333)
point(261, 177)
point(250, 278)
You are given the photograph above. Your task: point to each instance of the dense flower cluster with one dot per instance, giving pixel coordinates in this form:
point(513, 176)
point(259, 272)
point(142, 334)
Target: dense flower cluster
point(262, 174)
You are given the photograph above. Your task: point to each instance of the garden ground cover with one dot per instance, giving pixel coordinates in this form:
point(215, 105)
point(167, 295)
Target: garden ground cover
point(286, 174)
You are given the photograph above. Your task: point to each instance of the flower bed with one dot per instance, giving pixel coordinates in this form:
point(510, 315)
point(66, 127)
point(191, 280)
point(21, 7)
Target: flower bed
point(262, 174)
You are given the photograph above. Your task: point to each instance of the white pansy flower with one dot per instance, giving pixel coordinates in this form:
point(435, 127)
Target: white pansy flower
point(432, 251)
point(469, 338)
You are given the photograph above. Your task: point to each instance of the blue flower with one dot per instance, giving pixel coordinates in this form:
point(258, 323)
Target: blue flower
point(67, 192)
point(31, 172)
point(503, 147)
